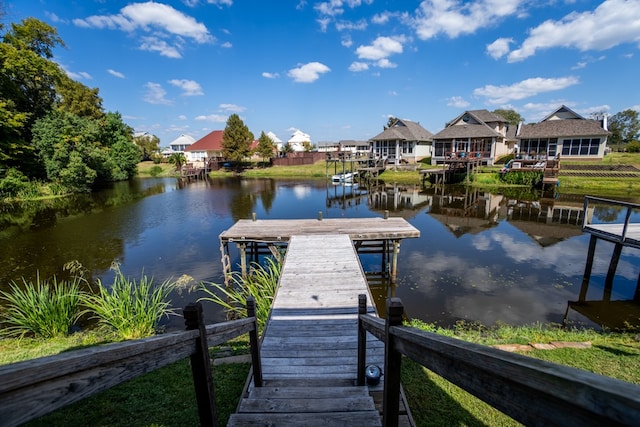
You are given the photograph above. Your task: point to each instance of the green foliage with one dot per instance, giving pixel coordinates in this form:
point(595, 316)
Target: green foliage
point(236, 139)
point(511, 116)
point(504, 159)
point(13, 183)
point(261, 283)
point(265, 147)
point(41, 309)
point(624, 127)
point(149, 145)
point(155, 170)
point(633, 146)
point(528, 178)
point(78, 99)
point(132, 309)
point(177, 159)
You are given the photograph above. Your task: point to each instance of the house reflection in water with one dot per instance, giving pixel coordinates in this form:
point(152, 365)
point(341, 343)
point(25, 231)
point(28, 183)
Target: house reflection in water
point(547, 220)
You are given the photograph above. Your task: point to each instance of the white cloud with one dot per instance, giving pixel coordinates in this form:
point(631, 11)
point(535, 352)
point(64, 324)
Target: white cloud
point(349, 25)
point(381, 18)
point(226, 45)
point(499, 48)
point(308, 73)
point(79, 75)
point(160, 20)
point(523, 89)
point(382, 47)
point(156, 94)
point(385, 63)
point(269, 75)
point(612, 23)
point(458, 102)
point(346, 41)
point(219, 3)
point(217, 118)
point(115, 73)
point(232, 108)
point(358, 66)
point(189, 87)
point(455, 17)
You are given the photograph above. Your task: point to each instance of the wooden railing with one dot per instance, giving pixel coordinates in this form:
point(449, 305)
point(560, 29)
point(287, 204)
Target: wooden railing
point(36, 387)
point(531, 391)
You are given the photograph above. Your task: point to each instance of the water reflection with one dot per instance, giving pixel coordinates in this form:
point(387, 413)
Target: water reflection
point(514, 257)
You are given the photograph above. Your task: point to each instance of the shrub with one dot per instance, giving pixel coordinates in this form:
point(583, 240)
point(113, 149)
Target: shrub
point(633, 146)
point(130, 308)
point(155, 170)
point(13, 183)
point(261, 283)
point(516, 177)
point(41, 309)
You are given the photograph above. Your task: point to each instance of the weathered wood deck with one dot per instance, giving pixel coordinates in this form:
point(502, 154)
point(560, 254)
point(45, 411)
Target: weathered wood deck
point(309, 347)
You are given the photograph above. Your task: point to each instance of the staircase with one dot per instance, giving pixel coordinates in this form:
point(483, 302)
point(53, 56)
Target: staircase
point(304, 405)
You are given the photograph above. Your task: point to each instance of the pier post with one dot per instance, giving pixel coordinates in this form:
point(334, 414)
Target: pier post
point(362, 340)
point(392, 365)
point(394, 261)
point(587, 269)
point(243, 259)
point(255, 344)
point(201, 366)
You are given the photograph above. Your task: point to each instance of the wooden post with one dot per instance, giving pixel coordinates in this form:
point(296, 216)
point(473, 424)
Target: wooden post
point(201, 366)
point(243, 259)
point(394, 261)
point(253, 217)
point(392, 365)
point(362, 340)
point(255, 344)
point(319, 215)
point(613, 265)
point(588, 267)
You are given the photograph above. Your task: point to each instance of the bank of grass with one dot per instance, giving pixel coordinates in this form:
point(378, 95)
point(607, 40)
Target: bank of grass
point(151, 169)
point(165, 397)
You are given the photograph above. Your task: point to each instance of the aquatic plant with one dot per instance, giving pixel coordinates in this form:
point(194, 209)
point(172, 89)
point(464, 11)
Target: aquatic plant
point(133, 309)
point(261, 283)
point(42, 309)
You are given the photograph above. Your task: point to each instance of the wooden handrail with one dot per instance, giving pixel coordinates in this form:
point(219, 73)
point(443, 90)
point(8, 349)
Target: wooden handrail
point(32, 388)
point(531, 391)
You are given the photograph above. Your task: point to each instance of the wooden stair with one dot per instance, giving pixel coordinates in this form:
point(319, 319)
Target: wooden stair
point(307, 406)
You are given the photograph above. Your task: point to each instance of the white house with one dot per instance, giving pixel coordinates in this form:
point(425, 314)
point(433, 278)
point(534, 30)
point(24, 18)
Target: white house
point(403, 141)
point(277, 142)
point(178, 145)
point(297, 140)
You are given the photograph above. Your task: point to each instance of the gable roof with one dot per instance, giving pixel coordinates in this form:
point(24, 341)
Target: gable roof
point(563, 122)
point(474, 126)
point(183, 140)
point(404, 130)
point(210, 142)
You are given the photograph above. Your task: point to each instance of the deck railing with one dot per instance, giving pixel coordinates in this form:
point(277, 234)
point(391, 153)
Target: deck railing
point(531, 391)
point(612, 232)
point(36, 387)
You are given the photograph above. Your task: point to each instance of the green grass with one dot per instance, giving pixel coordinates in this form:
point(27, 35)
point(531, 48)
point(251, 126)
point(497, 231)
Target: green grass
point(43, 309)
point(152, 169)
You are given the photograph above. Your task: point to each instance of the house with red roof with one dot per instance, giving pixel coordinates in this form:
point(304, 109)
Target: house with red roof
point(206, 148)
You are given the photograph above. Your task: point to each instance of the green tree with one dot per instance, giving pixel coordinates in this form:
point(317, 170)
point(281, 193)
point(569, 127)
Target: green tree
point(147, 144)
point(28, 80)
point(177, 159)
point(308, 146)
point(511, 116)
point(76, 98)
point(265, 147)
point(624, 127)
point(236, 139)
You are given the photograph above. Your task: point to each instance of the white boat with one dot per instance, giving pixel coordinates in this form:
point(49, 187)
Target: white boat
point(344, 177)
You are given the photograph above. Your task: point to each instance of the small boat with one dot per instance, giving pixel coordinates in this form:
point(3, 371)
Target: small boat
point(344, 177)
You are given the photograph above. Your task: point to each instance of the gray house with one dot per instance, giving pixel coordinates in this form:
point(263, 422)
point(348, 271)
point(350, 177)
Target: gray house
point(402, 142)
point(566, 133)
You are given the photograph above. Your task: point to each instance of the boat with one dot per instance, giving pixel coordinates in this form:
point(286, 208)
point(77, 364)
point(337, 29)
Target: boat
point(344, 177)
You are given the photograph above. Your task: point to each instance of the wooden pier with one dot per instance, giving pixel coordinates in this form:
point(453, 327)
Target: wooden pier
point(453, 170)
point(309, 349)
point(619, 314)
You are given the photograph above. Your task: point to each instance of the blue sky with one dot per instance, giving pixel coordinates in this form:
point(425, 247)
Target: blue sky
point(338, 69)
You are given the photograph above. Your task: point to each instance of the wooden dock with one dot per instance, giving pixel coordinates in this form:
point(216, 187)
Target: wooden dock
point(310, 344)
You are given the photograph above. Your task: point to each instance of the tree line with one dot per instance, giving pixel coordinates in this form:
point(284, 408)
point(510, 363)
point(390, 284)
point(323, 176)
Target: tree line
point(54, 129)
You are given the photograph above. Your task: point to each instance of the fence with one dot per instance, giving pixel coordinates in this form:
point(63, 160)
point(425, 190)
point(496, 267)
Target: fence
point(36, 387)
point(531, 391)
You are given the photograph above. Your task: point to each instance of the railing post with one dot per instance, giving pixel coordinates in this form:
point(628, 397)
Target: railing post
point(201, 366)
point(362, 339)
point(255, 344)
point(392, 365)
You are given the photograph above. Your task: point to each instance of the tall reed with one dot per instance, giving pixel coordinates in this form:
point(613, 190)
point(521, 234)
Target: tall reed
point(261, 283)
point(133, 309)
point(41, 309)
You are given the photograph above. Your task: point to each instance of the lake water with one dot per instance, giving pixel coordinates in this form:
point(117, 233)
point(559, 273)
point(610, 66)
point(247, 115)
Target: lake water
point(482, 257)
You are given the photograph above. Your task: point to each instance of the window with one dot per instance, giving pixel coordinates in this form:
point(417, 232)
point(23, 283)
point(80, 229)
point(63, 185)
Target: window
point(580, 147)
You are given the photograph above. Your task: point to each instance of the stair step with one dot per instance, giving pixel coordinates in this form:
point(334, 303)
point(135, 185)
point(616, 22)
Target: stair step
point(306, 405)
point(307, 392)
point(351, 419)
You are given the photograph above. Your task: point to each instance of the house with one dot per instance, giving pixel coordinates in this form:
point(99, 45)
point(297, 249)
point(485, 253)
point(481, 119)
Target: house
point(206, 148)
point(354, 147)
point(298, 140)
point(277, 142)
point(566, 133)
point(402, 142)
point(178, 145)
point(478, 132)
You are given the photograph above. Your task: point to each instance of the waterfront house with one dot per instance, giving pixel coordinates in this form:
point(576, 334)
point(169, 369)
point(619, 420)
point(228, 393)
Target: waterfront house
point(402, 142)
point(206, 148)
point(178, 145)
point(298, 140)
point(564, 132)
point(480, 133)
